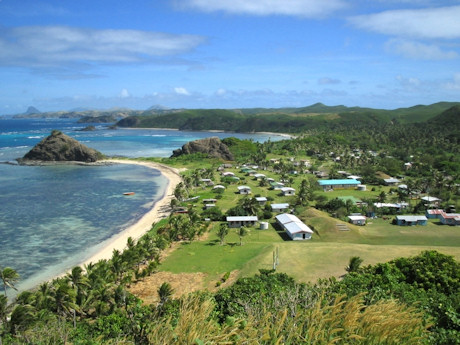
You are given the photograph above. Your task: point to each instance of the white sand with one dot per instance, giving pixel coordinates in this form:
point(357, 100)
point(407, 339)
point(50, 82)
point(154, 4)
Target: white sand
point(159, 211)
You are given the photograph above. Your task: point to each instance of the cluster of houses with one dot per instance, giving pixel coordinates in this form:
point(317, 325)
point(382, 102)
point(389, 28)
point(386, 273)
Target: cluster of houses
point(294, 227)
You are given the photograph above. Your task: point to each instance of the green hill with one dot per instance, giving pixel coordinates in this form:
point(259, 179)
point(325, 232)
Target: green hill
point(287, 120)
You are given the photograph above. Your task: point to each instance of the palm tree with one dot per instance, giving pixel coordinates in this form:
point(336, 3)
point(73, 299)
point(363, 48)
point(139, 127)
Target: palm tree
point(353, 265)
point(242, 231)
point(165, 292)
point(8, 276)
point(3, 313)
point(222, 232)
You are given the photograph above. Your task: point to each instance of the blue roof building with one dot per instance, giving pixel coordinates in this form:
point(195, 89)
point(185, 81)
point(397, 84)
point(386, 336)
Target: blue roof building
point(342, 183)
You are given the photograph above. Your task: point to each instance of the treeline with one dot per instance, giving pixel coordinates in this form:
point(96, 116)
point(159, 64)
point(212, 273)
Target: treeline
point(405, 301)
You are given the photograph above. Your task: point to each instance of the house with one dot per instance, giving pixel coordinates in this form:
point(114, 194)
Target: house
point(399, 206)
point(209, 201)
point(288, 191)
point(450, 218)
point(347, 183)
point(294, 227)
point(208, 206)
point(276, 185)
point(430, 201)
point(239, 221)
point(244, 190)
point(357, 219)
point(391, 181)
point(228, 174)
point(434, 214)
point(218, 186)
point(207, 181)
point(259, 176)
point(355, 201)
point(279, 207)
point(261, 200)
point(444, 217)
point(411, 220)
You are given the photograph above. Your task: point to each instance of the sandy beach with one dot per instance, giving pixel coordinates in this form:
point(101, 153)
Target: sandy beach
point(160, 210)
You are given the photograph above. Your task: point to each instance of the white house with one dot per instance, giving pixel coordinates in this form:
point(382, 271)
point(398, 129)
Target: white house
point(288, 191)
point(218, 186)
point(239, 221)
point(357, 220)
point(279, 207)
point(244, 190)
point(294, 227)
point(391, 181)
point(207, 181)
point(431, 201)
point(261, 200)
point(259, 176)
point(228, 174)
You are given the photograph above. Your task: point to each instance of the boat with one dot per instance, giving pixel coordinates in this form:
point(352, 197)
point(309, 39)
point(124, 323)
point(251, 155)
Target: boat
point(128, 193)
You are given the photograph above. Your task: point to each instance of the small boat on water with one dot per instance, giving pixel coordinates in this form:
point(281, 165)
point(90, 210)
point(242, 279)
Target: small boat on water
point(128, 193)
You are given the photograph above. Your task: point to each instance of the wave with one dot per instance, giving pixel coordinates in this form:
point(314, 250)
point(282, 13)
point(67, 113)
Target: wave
point(35, 137)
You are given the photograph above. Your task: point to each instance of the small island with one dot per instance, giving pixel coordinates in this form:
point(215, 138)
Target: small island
point(59, 147)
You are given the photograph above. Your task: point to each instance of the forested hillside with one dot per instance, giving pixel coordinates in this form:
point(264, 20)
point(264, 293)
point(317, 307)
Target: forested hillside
point(284, 120)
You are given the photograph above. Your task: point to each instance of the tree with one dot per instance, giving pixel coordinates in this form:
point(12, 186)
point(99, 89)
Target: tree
point(222, 232)
point(354, 263)
point(165, 292)
point(242, 231)
point(8, 276)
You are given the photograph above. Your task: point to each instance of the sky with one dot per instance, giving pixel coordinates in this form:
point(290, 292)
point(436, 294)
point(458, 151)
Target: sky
point(67, 55)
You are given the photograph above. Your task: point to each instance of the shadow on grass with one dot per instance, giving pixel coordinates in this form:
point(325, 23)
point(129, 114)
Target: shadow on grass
point(281, 233)
point(213, 243)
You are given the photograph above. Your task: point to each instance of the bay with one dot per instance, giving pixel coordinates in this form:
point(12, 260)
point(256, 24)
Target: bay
point(54, 217)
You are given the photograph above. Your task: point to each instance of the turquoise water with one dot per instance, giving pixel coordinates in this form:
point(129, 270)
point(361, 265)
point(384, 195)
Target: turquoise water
point(54, 217)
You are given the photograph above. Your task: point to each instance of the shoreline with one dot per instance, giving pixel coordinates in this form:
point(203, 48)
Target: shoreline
point(159, 211)
point(284, 135)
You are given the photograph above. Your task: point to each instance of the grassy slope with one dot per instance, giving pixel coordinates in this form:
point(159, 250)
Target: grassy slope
point(325, 255)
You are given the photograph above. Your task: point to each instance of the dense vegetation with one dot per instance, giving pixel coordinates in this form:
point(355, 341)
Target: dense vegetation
point(408, 300)
point(285, 120)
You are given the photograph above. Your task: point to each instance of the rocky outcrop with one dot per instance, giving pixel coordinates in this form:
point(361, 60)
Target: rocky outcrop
point(213, 147)
point(59, 147)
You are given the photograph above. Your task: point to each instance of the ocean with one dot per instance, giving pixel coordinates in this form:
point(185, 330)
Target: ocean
point(55, 217)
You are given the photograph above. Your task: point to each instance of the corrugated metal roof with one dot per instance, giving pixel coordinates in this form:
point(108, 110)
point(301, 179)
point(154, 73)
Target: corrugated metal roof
point(411, 218)
point(242, 219)
point(297, 227)
point(337, 182)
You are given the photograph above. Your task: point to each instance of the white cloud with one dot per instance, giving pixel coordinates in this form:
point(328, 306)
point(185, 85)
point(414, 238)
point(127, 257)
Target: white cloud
point(51, 46)
point(328, 81)
point(431, 23)
point(417, 50)
point(453, 84)
point(124, 93)
point(297, 8)
point(181, 91)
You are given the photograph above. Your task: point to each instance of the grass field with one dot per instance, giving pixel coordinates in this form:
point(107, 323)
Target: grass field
point(325, 255)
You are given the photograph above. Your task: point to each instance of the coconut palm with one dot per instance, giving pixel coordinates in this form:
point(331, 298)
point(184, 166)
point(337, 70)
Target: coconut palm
point(222, 232)
point(165, 292)
point(242, 231)
point(8, 276)
point(353, 265)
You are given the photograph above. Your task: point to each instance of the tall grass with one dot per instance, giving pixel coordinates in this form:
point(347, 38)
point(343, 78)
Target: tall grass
point(326, 321)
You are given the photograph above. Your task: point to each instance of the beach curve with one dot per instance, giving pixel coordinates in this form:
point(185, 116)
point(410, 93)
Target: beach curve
point(159, 211)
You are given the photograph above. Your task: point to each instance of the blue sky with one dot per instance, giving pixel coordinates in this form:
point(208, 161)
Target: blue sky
point(62, 55)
